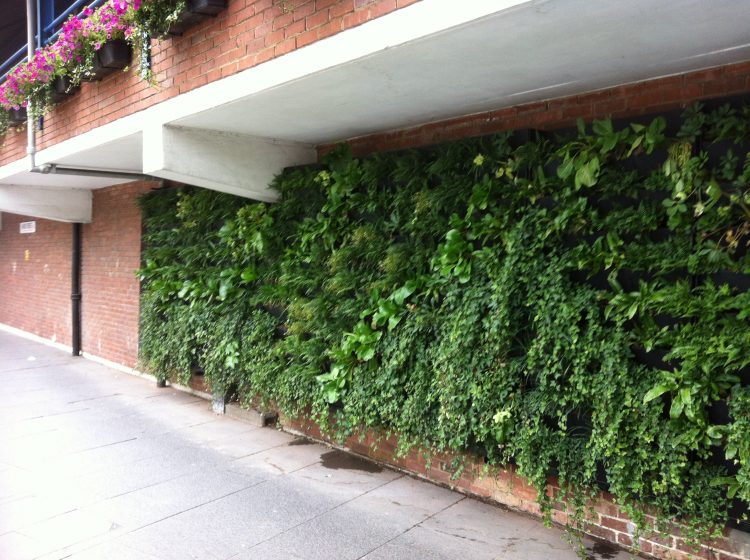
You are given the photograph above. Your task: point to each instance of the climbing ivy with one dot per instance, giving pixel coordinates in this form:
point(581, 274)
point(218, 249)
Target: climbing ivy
point(573, 304)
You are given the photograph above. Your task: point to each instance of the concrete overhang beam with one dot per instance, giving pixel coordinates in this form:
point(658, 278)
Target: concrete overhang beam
point(232, 163)
point(60, 204)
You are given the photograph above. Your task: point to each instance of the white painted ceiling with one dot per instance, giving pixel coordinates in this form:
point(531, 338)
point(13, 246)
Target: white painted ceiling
point(534, 51)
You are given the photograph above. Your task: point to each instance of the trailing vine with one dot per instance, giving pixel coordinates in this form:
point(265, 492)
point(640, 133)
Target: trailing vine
point(573, 305)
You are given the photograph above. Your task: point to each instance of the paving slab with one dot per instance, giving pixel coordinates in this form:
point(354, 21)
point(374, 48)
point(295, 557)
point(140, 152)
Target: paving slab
point(96, 464)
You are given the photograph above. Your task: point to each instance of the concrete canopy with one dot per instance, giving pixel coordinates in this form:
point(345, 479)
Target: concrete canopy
point(430, 61)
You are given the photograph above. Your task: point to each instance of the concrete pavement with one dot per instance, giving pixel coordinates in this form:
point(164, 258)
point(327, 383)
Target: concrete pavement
point(96, 465)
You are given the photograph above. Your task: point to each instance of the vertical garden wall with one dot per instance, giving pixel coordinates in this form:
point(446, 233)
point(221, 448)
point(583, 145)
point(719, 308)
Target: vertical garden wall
point(574, 304)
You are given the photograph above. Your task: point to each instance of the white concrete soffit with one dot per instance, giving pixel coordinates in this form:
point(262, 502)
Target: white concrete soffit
point(64, 205)
point(250, 174)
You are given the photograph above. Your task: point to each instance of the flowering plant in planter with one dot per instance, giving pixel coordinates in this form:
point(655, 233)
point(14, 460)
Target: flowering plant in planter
point(157, 17)
point(73, 55)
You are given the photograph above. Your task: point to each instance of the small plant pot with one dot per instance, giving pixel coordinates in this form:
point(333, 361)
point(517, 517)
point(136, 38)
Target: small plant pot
point(17, 116)
point(113, 56)
point(660, 235)
point(570, 241)
point(744, 375)
point(653, 358)
point(609, 203)
point(645, 164)
point(739, 516)
point(663, 320)
point(546, 202)
point(195, 12)
point(601, 477)
point(718, 150)
point(63, 89)
point(597, 280)
point(718, 413)
point(655, 195)
point(737, 281)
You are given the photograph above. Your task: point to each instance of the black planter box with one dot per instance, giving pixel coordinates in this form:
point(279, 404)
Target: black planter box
point(17, 116)
point(196, 12)
point(62, 89)
point(736, 280)
point(113, 56)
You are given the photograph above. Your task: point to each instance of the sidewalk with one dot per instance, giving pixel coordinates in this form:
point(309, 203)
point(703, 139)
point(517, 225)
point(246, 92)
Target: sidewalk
point(98, 465)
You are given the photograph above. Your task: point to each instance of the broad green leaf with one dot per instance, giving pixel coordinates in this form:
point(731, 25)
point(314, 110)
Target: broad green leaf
point(657, 391)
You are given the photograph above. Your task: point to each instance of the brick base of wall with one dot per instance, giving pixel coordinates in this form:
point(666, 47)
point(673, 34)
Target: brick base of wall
point(503, 486)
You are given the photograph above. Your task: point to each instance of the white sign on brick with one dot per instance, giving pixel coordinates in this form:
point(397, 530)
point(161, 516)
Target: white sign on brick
point(28, 227)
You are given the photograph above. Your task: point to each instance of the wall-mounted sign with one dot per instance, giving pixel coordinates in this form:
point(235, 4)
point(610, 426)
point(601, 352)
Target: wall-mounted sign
point(28, 227)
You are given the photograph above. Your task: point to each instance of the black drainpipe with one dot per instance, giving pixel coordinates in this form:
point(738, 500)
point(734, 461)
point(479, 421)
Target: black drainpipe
point(75, 291)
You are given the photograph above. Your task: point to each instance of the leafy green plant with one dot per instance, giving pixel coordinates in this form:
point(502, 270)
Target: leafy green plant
point(467, 298)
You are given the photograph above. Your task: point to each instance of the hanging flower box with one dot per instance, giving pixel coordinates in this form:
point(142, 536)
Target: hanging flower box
point(113, 56)
point(17, 116)
point(62, 89)
point(196, 11)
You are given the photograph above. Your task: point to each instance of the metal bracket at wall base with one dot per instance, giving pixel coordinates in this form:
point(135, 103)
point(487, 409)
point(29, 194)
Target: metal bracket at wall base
point(217, 403)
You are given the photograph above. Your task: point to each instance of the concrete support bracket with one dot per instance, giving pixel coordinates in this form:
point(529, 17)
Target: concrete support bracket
point(232, 163)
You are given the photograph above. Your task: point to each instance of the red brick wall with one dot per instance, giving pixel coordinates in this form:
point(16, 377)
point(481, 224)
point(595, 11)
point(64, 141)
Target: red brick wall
point(247, 33)
point(35, 293)
point(111, 255)
point(35, 277)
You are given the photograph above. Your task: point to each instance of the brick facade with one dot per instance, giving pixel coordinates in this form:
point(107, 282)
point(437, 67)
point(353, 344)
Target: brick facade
point(247, 33)
point(35, 293)
point(35, 277)
point(111, 291)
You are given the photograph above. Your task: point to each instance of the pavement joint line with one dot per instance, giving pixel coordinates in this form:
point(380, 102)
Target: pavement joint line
point(194, 507)
point(413, 527)
point(95, 398)
point(107, 498)
point(52, 415)
point(37, 366)
point(264, 450)
point(334, 508)
point(102, 446)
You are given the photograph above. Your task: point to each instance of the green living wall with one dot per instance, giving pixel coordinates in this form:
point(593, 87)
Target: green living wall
point(572, 304)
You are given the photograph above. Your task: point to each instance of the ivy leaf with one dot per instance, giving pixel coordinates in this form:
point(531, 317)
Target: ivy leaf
point(404, 292)
point(249, 274)
point(565, 169)
point(224, 288)
point(602, 127)
point(588, 174)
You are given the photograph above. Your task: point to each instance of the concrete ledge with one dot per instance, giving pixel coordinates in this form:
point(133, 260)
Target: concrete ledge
point(251, 416)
